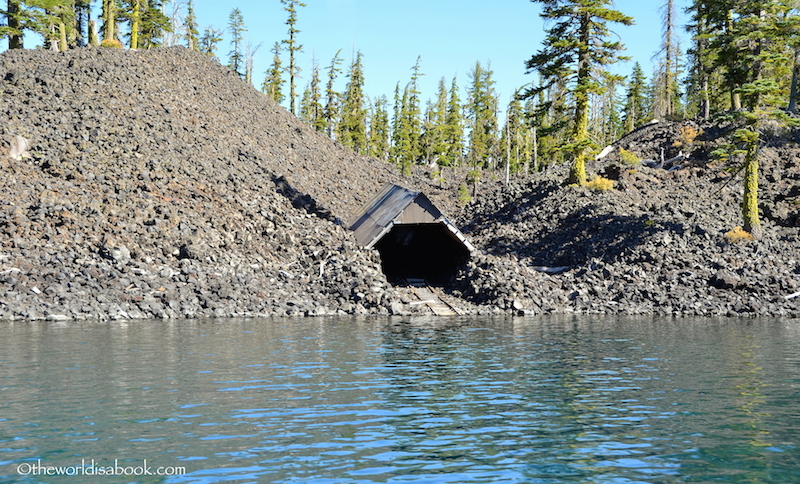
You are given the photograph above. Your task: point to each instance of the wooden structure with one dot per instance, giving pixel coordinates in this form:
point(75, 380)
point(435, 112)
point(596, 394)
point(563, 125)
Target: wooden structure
point(415, 240)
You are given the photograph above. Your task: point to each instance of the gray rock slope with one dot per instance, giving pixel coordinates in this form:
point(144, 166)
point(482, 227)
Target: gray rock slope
point(157, 184)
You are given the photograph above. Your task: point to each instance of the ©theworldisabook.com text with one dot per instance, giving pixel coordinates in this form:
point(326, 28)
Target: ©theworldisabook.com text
point(93, 468)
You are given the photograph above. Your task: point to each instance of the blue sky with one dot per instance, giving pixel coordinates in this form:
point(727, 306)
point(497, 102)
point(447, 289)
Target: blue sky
point(448, 35)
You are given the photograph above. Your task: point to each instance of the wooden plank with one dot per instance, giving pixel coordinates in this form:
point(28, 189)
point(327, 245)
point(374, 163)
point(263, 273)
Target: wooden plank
point(427, 295)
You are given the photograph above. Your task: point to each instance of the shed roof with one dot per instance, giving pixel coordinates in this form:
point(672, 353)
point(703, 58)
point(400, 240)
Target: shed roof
point(394, 205)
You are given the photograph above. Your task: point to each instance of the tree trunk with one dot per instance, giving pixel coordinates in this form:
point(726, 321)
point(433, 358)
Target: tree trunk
point(94, 39)
point(750, 219)
point(508, 150)
point(62, 37)
point(136, 17)
point(109, 20)
point(577, 172)
point(15, 38)
point(535, 150)
point(793, 94)
point(705, 100)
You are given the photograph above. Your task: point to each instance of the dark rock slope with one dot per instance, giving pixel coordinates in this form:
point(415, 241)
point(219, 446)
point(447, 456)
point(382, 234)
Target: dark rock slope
point(160, 185)
point(655, 244)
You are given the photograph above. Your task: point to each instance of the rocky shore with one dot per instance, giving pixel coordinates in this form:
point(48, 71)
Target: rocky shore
point(158, 185)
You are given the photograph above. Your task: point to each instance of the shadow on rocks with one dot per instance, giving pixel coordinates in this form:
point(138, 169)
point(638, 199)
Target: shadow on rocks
point(579, 237)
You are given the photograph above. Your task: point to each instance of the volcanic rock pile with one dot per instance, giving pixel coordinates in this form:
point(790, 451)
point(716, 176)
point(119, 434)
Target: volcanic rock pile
point(158, 184)
point(661, 242)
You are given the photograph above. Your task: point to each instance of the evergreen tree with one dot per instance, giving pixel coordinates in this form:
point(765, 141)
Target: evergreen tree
point(352, 128)
point(292, 47)
point(379, 129)
point(407, 126)
point(153, 25)
point(433, 141)
point(237, 29)
point(401, 139)
point(514, 140)
point(311, 110)
point(82, 19)
point(665, 81)
point(412, 114)
point(208, 42)
point(482, 115)
point(331, 111)
point(757, 38)
point(134, 12)
point(109, 16)
point(454, 130)
point(606, 122)
point(14, 25)
point(54, 20)
point(551, 119)
point(635, 100)
point(273, 81)
point(575, 48)
point(699, 63)
point(191, 34)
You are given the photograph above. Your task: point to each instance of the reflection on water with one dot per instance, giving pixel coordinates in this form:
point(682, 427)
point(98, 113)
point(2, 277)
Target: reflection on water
point(589, 400)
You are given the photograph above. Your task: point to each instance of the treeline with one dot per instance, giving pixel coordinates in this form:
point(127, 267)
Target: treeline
point(743, 57)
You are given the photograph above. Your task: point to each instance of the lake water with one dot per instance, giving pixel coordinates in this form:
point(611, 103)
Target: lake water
point(390, 400)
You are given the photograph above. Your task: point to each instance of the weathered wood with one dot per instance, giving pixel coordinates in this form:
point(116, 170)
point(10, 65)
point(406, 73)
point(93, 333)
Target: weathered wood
point(427, 295)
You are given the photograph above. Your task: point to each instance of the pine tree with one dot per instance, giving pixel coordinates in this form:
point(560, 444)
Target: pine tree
point(191, 34)
point(401, 139)
point(701, 59)
point(406, 125)
point(514, 138)
point(153, 25)
point(666, 79)
point(635, 100)
point(134, 17)
point(352, 128)
point(575, 48)
point(379, 129)
point(549, 115)
point(482, 115)
point(14, 25)
point(82, 22)
point(606, 122)
point(292, 47)
point(434, 133)
point(273, 81)
point(757, 38)
point(331, 111)
point(454, 129)
point(54, 20)
point(109, 16)
point(208, 42)
point(311, 109)
point(237, 29)
point(412, 114)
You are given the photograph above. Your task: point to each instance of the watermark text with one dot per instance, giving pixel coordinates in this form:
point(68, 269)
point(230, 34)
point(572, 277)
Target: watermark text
point(92, 468)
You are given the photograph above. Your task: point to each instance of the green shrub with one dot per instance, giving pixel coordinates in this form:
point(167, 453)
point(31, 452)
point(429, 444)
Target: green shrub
point(114, 44)
point(629, 158)
point(599, 184)
point(463, 195)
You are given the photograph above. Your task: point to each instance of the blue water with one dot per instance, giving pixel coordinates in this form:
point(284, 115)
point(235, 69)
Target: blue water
point(389, 400)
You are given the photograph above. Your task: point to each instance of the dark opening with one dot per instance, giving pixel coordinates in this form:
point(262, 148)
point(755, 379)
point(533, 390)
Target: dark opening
point(421, 251)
